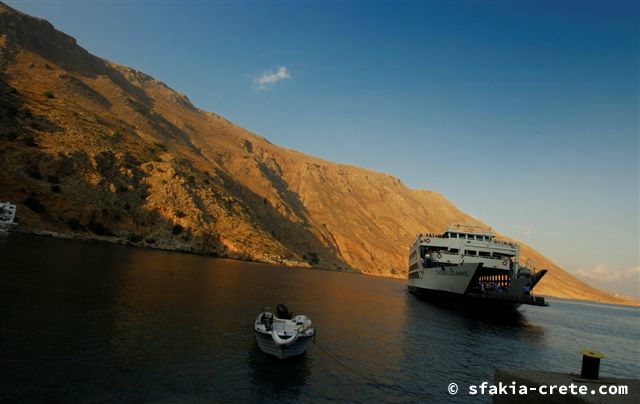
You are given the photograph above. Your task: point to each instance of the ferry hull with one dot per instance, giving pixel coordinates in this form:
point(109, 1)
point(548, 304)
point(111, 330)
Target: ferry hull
point(467, 302)
point(452, 286)
point(453, 279)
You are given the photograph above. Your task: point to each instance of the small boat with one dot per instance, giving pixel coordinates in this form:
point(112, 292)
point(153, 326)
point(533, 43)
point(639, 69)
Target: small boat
point(280, 335)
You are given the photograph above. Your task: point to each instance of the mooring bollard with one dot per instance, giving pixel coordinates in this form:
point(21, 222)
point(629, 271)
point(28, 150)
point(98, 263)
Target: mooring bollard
point(590, 364)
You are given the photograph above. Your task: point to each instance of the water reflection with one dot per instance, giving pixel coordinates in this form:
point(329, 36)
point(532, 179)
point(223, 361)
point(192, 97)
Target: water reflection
point(461, 345)
point(513, 324)
point(276, 378)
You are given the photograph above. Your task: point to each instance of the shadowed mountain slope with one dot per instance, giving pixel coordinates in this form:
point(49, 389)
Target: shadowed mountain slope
point(92, 149)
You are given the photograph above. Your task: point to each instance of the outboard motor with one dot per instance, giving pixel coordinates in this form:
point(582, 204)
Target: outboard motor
point(282, 312)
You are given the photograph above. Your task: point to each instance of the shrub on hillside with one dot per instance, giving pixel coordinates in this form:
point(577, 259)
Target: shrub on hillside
point(34, 204)
point(25, 112)
point(160, 146)
point(11, 110)
point(74, 223)
point(135, 237)
point(29, 140)
point(33, 172)
point(177, 229)
point(53, 179)
point(313, 258)
point(99, 229)
point(48, 94)
point(11, 136)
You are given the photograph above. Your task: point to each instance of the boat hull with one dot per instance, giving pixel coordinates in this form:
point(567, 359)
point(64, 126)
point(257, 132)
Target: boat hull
point(468, 302)
point(266, 345)
point(453, 279)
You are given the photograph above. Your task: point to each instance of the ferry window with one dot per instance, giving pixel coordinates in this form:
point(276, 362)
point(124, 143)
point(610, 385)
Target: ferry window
point(463, 236)
point(413, 266)
point(453, 250)
point(470, 252)
point(484, 254)
point(453, 235)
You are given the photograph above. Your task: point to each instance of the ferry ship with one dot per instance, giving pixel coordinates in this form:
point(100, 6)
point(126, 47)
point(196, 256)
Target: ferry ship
point(466, 264)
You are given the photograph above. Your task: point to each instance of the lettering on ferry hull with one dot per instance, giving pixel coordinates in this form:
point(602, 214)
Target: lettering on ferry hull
point(452, 273)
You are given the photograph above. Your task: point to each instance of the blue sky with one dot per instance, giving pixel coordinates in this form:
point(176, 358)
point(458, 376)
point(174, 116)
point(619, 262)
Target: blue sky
point(523, 114)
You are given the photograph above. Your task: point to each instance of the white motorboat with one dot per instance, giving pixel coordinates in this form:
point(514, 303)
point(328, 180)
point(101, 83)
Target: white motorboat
point(282, 336)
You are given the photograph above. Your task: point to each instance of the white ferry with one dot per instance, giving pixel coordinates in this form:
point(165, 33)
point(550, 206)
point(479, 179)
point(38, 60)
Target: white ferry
point(466, 264)
point(7, 216)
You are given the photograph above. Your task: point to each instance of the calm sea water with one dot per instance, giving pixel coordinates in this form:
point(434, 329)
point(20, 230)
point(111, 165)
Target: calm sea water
point(83, 321)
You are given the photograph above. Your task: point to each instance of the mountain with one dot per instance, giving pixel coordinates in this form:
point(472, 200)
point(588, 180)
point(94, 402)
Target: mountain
point(91, 149)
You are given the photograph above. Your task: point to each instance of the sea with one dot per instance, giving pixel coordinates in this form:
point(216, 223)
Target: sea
point(94, 322)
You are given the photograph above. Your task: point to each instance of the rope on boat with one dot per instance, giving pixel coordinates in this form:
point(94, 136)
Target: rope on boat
point(283, 342)
point(286, 342)
point(370, 379)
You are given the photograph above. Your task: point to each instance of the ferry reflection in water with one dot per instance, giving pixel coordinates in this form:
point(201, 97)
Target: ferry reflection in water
point(95, 322)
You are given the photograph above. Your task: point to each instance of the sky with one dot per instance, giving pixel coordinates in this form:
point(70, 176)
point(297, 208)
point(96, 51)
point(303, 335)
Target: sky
point(525, 115)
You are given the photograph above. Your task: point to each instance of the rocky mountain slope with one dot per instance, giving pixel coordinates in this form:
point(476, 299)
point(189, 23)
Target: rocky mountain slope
point(92, 149)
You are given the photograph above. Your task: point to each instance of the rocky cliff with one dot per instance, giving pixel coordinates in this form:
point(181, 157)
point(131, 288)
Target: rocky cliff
point(92, 149)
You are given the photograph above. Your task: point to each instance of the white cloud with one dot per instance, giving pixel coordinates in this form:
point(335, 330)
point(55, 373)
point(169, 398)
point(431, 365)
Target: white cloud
point(268, 80)
point(602, 273)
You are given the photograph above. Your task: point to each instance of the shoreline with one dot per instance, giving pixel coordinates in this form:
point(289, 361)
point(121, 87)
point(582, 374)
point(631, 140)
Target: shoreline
point(288, 264)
